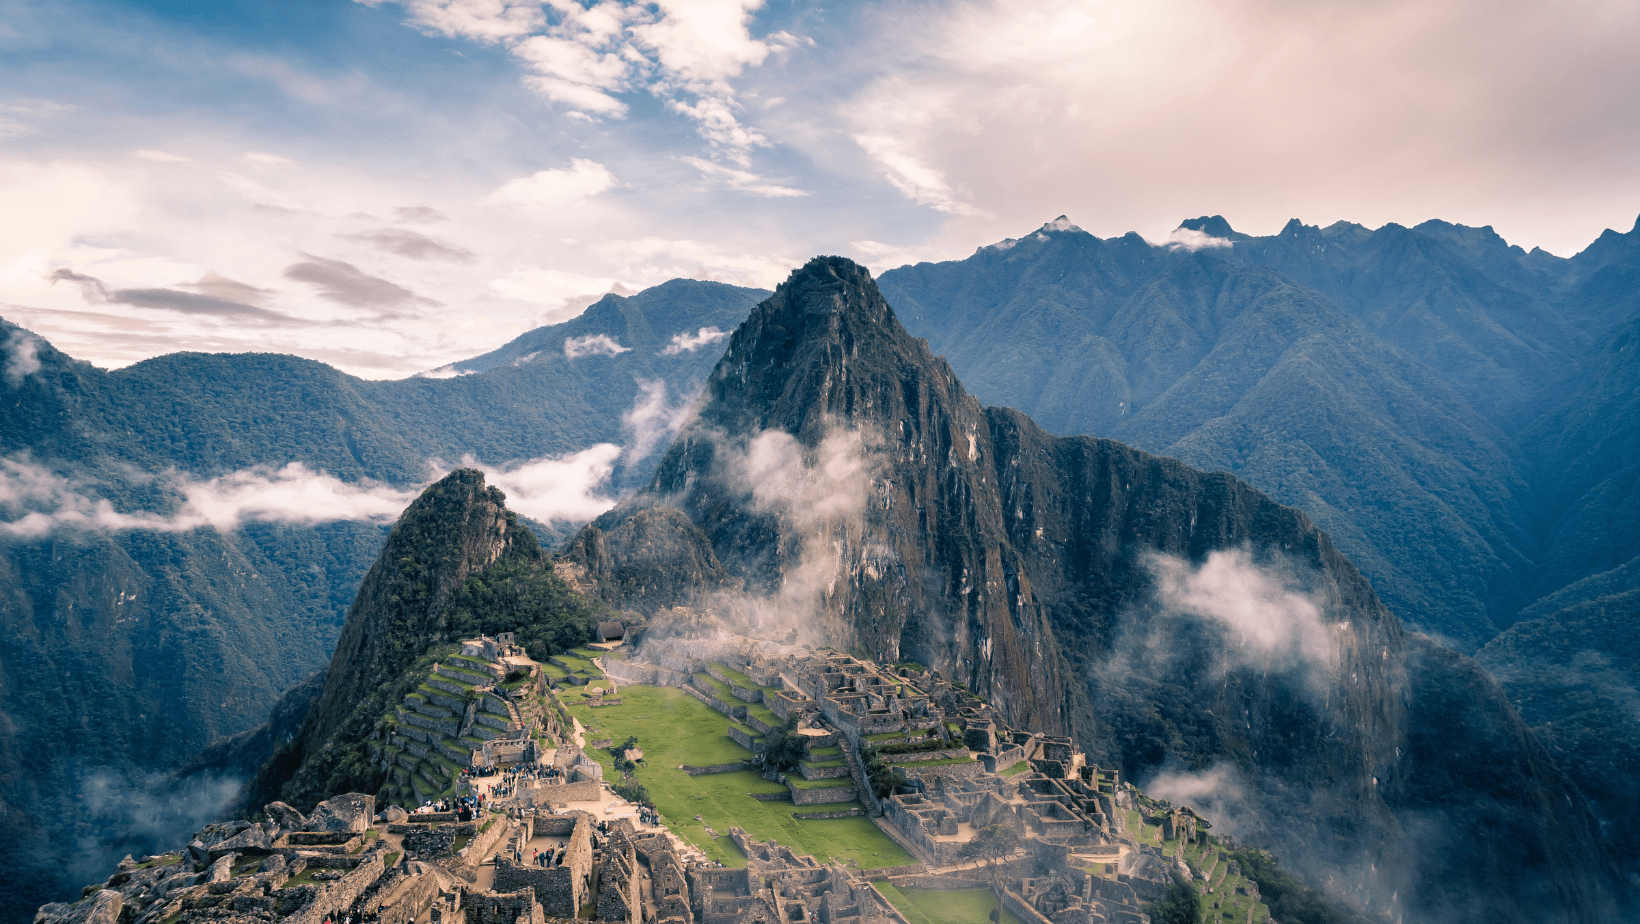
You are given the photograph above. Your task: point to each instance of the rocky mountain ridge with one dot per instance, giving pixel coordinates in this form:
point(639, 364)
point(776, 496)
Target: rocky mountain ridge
point(1035, 569)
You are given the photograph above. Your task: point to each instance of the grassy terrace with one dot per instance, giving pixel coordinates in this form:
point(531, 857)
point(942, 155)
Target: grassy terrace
point(826, 753)
point(763, 713)
point(1016, 769)
point(576, 663)
point(798, 782)
point(839, 762)
point(719, 688)
point(734, 675)
point(751, 732)
point(466, 674)
point(886, 736)
point(960, 906)
point(675, 728)
point(943, 762)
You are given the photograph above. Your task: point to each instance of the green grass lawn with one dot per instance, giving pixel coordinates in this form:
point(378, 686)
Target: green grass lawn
point(1018, 768)
point(825, 753)
point(942, 762)
point(675, 728)
point(960, 906)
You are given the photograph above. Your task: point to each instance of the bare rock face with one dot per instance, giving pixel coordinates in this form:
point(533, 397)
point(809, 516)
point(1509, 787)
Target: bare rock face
point(855, 494)
point(285, 816)
point(346, 813)
point(104, 907)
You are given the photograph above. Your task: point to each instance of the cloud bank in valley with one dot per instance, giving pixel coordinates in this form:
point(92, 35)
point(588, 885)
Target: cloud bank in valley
point(36, 501)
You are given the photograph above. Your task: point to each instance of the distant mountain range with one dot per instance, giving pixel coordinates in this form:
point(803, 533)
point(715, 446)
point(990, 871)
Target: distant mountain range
point(1458, 414)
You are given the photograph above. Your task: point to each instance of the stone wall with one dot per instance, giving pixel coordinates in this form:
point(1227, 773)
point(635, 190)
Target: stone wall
point(949, 772)
point(817, 796)
point(947, 754)
point(741, 737)
point(410, 901)
point(332, 897)
point(518, 907)
point(562, 890)
point(551, 793)
point(693, 770)
point(850, 813)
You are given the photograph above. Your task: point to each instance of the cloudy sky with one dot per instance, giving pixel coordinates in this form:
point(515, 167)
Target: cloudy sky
point(388, 186)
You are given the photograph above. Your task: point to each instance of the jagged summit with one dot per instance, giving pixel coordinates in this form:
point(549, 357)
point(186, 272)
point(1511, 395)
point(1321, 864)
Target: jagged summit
point(1212, 226)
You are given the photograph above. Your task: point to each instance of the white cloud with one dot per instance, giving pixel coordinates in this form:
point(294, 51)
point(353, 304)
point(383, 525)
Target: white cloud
point(652, 418)
point(918, 181)
point(262, 159)
point(687, 342)
point(483, 20)
point(1193, 240)
point(1271, 618)
point(37, 501)
point(583, 54)
point(162, 157)
point(743, 180)
point(593, 345)
point(565, 488)
point(22, 359)
point(546, 189)
point(447, 371)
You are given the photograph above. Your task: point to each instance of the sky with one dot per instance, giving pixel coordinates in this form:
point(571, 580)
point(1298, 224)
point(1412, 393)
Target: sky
point(391, 185)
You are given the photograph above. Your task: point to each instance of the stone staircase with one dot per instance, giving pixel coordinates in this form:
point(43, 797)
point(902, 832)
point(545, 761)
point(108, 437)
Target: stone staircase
point(857, 770)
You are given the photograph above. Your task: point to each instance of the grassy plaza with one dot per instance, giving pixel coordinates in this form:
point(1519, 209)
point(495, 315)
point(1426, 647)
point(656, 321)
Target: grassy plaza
point(674, 729)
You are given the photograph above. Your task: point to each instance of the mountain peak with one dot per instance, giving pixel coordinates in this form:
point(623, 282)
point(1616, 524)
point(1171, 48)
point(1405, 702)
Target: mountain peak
point(1212, 226)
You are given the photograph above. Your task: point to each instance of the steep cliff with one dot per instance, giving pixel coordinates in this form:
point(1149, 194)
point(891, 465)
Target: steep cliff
point(1180, 624)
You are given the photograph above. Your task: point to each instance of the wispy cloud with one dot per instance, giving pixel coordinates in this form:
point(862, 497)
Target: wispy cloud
point(547, 189)
point(407, 243)
point(585, 56)
point(687, 342)
point(743, 180)
point(910, 175)
point(593, 345)
point(22, 359)
point(346, 284)
point(211, 297)
point(1192, 240)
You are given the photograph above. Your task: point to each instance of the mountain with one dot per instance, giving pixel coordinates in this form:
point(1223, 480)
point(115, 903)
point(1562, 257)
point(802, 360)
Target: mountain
point(457, 563)
point(838, 483)
point(1236, 367)
point(129, 650)
point(1571, 667)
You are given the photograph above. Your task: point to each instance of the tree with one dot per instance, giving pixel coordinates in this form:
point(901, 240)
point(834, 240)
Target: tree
point(783, 748)
point(1183, 905)
point(993, 844)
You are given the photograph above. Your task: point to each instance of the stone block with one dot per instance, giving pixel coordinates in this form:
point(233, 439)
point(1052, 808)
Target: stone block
point(349, 812)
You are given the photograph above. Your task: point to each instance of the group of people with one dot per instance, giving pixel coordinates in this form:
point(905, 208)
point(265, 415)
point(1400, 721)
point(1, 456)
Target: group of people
point(465, 807)
point(548, 859)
